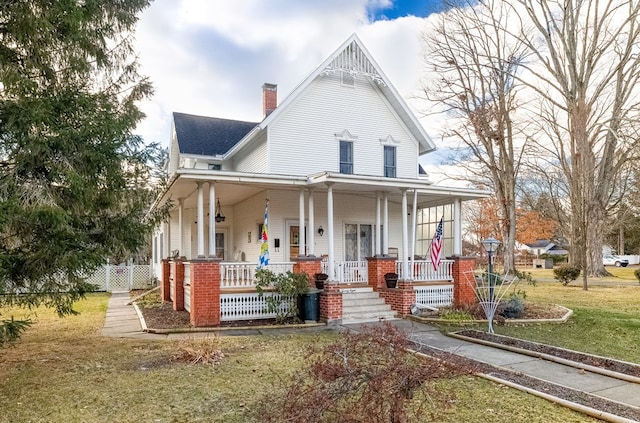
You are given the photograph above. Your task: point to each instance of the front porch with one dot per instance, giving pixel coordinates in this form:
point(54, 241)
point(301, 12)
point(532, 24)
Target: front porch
point(225, 291)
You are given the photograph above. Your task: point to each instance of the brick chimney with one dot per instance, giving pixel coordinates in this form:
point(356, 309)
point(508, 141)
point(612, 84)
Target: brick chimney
point(269, 98)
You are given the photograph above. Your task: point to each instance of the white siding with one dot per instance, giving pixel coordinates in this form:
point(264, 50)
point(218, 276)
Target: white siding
point(254, 158)
point(174, 153)
point(283, 208)
point(302, 140)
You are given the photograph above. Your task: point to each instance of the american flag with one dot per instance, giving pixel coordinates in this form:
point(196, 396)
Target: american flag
point(263, 260)
point(436, 246)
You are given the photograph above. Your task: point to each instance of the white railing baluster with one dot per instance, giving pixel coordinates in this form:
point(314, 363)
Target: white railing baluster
point(423, 270)
point(242, 275)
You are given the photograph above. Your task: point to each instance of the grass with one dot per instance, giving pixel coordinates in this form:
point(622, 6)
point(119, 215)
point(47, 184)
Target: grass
point(62, 370)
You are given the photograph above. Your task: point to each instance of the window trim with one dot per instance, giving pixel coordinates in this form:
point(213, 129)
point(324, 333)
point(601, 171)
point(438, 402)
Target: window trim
point(342, 163)
point(387, 168)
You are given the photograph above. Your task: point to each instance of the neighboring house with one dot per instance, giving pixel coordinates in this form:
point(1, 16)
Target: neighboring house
point(337, 157)
point(544, 246)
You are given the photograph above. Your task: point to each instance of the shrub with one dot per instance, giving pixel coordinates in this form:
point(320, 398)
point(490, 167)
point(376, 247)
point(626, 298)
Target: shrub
point(566, 274)
point(637, 274)
point(522, 275)
point(513, 307)
point(11, 329)
point(288, 285)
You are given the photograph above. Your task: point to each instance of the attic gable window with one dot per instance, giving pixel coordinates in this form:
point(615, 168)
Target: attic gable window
point(346, 157)
point(347, 79)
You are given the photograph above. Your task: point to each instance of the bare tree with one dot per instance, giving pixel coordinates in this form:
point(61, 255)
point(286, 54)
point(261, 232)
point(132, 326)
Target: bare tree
point(474, 60)
point(585, 78)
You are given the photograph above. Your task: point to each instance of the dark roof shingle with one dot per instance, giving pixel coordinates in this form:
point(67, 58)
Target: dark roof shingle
point(208, 136)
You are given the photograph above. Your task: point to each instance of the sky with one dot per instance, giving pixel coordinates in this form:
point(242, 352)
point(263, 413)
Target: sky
point(211, 57)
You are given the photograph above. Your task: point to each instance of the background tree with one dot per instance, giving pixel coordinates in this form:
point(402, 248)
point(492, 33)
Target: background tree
point(585, 78)
point(74, 181)
point(473, 62)
point(532, 227)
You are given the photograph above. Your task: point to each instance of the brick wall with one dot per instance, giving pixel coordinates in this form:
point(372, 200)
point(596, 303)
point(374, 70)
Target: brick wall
point(308, 265)
point(178, 286)
point(377, 267)
point(463, 281)
point(331, 304)
point(166, 283)
point(400, 298)
point(205, 292)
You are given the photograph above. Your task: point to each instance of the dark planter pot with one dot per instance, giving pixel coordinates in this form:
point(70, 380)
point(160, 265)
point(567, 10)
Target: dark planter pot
point(319, 279)
point(391, 279)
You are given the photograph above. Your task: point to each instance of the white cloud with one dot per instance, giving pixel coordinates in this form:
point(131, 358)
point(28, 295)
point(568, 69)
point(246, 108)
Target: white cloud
point(211, 58)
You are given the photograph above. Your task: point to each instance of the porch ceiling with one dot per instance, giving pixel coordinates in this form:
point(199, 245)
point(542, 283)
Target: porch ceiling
point(233, 187)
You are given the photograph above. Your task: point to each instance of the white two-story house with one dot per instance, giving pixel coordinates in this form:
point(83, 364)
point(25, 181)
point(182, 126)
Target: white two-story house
point(336, 161)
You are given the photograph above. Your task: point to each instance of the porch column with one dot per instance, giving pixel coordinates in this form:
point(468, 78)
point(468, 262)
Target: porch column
point(212, 219)
point(414, 218)
point(457, 227)
point(200, 220)
point(312, 230)
point(301, 238)
point(378, 222)
point(385, 232)
point(405, 237)
point(180, 225)
point(167, 234)
point(331, 257)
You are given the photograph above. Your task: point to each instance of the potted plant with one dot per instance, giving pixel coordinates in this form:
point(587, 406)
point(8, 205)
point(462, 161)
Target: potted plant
point(319, 279)
point(391, 279)
point(290, 286)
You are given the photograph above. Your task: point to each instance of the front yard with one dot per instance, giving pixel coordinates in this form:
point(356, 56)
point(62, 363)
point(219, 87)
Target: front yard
point(62, 370)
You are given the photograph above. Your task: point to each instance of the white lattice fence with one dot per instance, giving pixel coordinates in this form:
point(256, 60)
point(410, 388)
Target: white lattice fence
point(435, 295)
point(121, 278)
point(246, 306)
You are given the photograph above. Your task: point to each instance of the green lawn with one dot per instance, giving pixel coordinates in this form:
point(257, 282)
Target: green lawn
point(62, 370)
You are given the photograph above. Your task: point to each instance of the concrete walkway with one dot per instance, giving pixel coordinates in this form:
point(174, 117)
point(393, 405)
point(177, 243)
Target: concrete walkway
point(122, 321)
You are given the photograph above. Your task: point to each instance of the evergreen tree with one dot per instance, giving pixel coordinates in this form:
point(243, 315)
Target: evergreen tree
point(75, 183)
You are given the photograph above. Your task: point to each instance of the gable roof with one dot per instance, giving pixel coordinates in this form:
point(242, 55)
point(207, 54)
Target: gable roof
point(208, 136)
point(352, 57)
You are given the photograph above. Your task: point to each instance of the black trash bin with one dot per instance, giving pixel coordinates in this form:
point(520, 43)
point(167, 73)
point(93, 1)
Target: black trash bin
point(309, 306)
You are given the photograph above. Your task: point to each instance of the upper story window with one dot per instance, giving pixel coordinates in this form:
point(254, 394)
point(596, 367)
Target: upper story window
point(346, 157)
point(215, 166)
point(389, 161)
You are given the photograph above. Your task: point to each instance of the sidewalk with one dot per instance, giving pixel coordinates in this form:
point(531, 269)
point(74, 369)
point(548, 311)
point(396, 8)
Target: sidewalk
point(122, 321)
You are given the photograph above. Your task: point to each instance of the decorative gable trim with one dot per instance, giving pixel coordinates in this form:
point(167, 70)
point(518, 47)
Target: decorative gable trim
point(345, 136)
point(353, 61)
point(389, 140)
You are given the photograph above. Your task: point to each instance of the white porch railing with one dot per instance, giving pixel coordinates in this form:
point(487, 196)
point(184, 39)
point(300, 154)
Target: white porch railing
point(242, 275)
point(434, 295)
point(423, 270)
point(246, 306)
point(347, 271)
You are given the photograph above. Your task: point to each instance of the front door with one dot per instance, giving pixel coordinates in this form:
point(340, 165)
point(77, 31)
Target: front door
point(358, 241)
point(294, 239)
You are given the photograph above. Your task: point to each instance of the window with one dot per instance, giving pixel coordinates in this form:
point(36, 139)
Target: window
point(427, 222)
point(215, 166)
point(358, 241)
point(389, 161)
point(346, 157)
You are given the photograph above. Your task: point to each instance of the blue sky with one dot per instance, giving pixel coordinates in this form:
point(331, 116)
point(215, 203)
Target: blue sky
point(211, 58)
point(401, 8)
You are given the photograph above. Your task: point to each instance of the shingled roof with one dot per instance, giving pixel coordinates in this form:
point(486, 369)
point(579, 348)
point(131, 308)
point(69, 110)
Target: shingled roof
point(208, 136)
